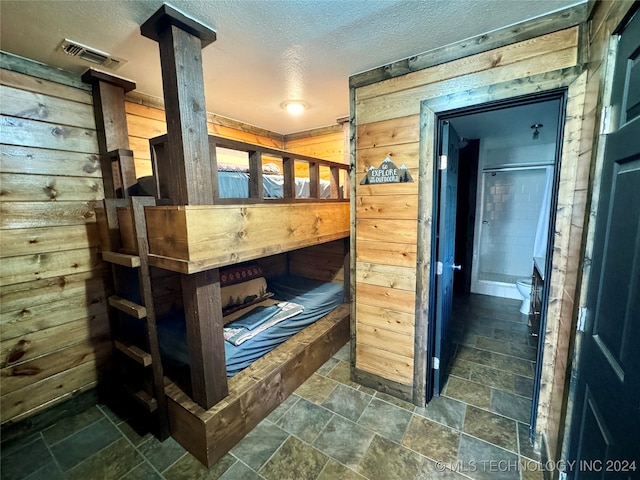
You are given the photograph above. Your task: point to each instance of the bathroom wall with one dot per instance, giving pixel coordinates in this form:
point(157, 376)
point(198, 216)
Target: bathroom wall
point(508, 208)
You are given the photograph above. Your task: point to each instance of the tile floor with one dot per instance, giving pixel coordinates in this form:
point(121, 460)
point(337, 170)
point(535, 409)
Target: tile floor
point(331, 428)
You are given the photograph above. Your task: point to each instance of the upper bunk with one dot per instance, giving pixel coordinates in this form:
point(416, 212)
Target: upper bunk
point(194, 238)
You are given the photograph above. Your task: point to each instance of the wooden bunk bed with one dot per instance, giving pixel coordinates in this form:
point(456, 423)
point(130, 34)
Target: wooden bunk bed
point(191, 234)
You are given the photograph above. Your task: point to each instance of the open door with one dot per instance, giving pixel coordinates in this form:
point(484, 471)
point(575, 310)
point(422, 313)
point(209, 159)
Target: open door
point(606, 417)
point(445, 246)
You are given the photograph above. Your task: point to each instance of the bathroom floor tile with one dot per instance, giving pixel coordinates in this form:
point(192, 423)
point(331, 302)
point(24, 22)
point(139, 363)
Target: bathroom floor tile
point(492, 428)
point(491, 377)
point(523, 386)
point(511, 364)
point(460, 368)
point(526, 448)
point(486, 461)
point(468, 392)
point(510, 405)
point(492, 345)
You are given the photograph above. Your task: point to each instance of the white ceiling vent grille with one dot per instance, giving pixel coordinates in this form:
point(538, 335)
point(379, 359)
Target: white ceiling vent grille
point(91, 55)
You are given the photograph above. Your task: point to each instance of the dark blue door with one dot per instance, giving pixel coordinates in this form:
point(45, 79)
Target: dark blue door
point(605, 428)
point(448, 191)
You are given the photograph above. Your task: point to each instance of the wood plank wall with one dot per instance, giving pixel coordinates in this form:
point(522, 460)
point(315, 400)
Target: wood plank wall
point(53, 321)
point(146, 119)
point(387, 117)
point(54, 328)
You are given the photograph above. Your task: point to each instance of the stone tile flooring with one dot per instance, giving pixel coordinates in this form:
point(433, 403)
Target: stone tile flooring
point(332, 428)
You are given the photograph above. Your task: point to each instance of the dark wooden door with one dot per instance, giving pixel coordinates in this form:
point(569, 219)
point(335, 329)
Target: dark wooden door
point(605, 428)
point(445, 264)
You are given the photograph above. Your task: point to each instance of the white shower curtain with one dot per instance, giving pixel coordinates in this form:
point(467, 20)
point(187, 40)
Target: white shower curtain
point(542, 229)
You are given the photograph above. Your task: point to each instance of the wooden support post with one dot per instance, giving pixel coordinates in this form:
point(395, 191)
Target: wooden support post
point(126, 168)
point(213, 160)
point(181, 40)
point(203, 315)
point(314, 180)
point(256, 187)
point(334, 185)
point(289, 174)
point(111, 121)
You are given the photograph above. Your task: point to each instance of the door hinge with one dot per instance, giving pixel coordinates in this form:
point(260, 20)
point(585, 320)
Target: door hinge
point(443, 162)
point(582, 318)
point(439, 268)
point(436, 363)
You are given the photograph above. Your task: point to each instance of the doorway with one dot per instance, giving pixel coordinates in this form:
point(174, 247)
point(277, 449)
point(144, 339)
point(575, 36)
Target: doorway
point(507, 161)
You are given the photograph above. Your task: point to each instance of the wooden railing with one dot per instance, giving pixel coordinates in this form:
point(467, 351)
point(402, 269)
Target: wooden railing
point(290, 160)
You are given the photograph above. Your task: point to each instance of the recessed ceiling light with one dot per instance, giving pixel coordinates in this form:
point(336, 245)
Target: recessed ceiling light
point(294, 107)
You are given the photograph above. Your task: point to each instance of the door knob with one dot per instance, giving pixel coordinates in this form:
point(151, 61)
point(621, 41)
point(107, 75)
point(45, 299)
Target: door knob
point(456, 267)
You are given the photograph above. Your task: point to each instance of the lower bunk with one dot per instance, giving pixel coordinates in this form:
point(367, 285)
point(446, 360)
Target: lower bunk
point(278, 332)
point(255, 391)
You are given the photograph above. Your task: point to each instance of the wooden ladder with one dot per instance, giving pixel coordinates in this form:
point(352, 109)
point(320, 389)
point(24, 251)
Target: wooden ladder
point(133, 321)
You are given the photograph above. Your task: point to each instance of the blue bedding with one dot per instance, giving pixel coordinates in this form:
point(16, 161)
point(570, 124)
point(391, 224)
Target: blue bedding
point(318, 299)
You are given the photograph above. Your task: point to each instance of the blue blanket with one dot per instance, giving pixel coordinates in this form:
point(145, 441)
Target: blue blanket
point(318, 298)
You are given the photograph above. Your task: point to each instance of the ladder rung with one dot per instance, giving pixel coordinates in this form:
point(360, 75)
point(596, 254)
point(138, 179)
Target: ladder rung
point(135, 353)
point(128, 307)
point(143, 398)
point(123, 259)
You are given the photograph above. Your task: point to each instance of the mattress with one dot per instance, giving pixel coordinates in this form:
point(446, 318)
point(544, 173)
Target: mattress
point(318, 299)
point(236, 185)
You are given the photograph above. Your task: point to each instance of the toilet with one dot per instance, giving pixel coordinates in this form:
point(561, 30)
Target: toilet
point(524, 288)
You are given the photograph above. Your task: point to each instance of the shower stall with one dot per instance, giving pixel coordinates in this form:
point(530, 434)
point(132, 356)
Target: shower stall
point(511, 226)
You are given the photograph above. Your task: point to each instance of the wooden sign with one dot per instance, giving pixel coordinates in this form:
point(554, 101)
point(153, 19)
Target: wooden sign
point(387, 172)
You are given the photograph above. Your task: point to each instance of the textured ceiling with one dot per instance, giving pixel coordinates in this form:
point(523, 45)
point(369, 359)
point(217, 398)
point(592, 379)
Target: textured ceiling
point(267, 51)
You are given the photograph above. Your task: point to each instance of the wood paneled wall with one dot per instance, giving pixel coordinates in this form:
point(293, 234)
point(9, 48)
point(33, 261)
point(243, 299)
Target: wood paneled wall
point(54, 328)
point(53, 322)
point(146, 120)
point(388, 121)
point(392, 230)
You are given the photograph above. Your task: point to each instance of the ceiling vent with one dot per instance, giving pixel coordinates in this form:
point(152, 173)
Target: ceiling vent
point(91, 55)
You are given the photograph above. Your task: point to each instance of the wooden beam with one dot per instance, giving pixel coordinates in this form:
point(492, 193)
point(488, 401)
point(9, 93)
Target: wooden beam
point(256, 186)
point(203, 315)
point(289, 174)
point(111, 121)
point(181, 39)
